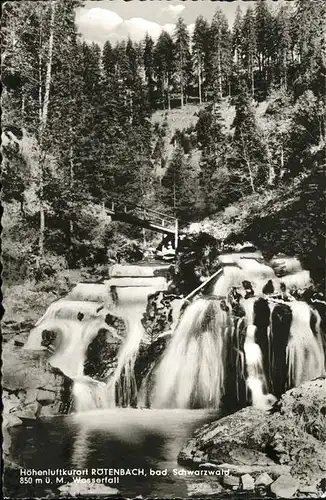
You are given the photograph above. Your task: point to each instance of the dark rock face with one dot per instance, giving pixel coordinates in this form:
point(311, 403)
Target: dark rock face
point(35, 383)
point(196, 258)
point(289, 439)
point(32, 388)
point(101, 356)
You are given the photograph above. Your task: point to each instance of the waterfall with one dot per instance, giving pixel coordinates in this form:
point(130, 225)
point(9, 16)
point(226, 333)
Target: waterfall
point(70, 325)
point(191, 373)
point(305, 356)
point(131, 305)
point(245, 343)
point(89, 394)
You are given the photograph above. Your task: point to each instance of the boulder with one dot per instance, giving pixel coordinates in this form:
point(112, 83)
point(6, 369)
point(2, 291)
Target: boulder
point(10, 420)
point(247, 482)
point(19, 341)
point(45, 397)
point(203, 489)
point(263, 479)
point(308, 489)
point(231, 481)
point(31, 395)
point(288, 439)
point(285, 486)
point(29, 412)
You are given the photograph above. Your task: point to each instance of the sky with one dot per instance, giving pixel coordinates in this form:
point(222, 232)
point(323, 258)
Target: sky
point(115, 20)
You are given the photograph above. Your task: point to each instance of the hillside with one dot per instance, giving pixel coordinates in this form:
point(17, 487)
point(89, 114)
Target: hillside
point(280, 217)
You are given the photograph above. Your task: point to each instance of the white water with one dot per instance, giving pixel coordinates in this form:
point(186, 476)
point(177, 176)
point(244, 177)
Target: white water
point(70, 309)
point(130, 307)
point(77, 320)
point(72, 339)
point(191, 372)
point(305, 356)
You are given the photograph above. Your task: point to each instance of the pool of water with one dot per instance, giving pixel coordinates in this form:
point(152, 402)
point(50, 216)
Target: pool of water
point(117, 438)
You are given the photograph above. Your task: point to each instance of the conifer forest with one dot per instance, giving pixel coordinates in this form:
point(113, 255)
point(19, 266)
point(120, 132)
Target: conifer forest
point(84, 125)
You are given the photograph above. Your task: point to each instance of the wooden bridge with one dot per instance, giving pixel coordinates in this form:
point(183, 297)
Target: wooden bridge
point(145, 218)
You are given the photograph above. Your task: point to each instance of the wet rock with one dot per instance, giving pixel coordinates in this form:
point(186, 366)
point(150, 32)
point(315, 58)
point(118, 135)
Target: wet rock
point(286, 439)
point(45, 397)
point(285, 486)
point(19, 341)
point(102, 352)
point(47, 411)
point(274, 471)
point(84, 489)
point(30, 411)
point(11, 420)
point(263, 479)
point(203, 488)
point(231, 481)
point(247, 482)
point(308, 489)
point(31, 395)
point(6, 440)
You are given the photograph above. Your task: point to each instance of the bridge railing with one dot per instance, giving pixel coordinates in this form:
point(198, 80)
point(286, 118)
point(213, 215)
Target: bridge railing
point(141, 212)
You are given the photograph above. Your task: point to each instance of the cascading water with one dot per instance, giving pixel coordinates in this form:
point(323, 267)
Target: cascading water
point(70, 325)
point(305, 356)
point(246, 342)
point(191, 373)
point(262, 354)
point(131, 304)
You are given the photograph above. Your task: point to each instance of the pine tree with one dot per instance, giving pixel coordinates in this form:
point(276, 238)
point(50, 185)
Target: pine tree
point(284, 43)
point(148, 58)
point(180, 186)
point(200, 46)
point(309, 20)
point(249, 44)
point(220, 53)
point(108, 59)
point(182, 57)
point(250, 152)
point(213, 143)
point(163, 66)
point(264, 32)
point(237, 36)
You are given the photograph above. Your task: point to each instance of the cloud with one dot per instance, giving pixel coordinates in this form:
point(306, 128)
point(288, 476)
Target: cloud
point(99, 25)
point(100, 18)
point(174, 10)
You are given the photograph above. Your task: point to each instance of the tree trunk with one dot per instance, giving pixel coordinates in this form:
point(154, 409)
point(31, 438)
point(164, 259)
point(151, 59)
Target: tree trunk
point(168, 94)
point(282, 162)
point(199, 84)
point(246, 158)
point(43, 114)
point(219, 71)
point(252, 77)
point(23, 108)
point(271, 170)
point(48, 72)
point(22, 205)
point(285, 70)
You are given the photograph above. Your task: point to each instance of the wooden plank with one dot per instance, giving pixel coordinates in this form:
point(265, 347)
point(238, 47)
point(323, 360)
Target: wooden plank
point(149, 210)
point(131, 219)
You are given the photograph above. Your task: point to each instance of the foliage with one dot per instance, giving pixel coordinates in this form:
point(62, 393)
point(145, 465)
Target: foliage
point(180, 186)
point(87, 112)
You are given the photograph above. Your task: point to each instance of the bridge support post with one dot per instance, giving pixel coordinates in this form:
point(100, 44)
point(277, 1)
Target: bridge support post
point(176, 234)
